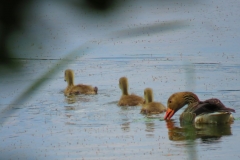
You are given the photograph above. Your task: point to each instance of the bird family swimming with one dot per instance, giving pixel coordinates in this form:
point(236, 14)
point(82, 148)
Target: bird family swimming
point(77, 89)
point(126, 99)
point(208, 111)
point(149, 106)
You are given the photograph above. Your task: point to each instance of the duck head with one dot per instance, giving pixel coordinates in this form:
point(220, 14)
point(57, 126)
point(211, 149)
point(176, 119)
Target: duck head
point(69, 76)
point(123, 85)
point(148, 95)
point(177, 100)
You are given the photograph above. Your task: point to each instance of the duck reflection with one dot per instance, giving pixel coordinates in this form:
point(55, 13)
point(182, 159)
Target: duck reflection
point(150, 126)
point(125, 126)
point(75, 98)
point(206, 132)
point(70, 99)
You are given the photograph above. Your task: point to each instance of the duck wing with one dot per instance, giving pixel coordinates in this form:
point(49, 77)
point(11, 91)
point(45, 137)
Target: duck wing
point(210, 106)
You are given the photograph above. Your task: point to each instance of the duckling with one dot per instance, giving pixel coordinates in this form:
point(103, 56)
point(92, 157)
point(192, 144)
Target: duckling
point(151, 107)
point(77, 89)
point(126, 99)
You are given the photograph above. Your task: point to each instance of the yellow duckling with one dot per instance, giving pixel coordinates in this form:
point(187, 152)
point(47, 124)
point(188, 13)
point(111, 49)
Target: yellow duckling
point(150, 107)
point(126, 99)
point(77, 89)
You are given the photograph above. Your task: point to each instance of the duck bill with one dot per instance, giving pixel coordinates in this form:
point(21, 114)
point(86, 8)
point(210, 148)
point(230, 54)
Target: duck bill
point(169, 114)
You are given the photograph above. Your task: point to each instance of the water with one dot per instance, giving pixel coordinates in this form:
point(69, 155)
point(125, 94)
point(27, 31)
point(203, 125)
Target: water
point(51, 126)
point(201, 57)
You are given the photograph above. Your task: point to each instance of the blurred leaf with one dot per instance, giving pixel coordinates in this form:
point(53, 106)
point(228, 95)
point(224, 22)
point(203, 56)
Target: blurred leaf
point(145, 30)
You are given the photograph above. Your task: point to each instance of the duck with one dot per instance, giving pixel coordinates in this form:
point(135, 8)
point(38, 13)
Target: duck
point(149, 106)
point(201, 112)
point(128, 99)
point(76, 89)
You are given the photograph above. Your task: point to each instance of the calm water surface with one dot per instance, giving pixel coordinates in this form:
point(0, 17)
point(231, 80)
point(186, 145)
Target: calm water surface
point(202, 57)
point(51, 126)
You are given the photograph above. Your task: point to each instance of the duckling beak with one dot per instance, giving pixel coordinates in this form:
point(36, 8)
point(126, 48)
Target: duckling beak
point(169, 114)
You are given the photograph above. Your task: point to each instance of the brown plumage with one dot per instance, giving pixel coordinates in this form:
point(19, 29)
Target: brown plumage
point(151, 107)
point(208, 111)
point(126, 99)
point(77, 89)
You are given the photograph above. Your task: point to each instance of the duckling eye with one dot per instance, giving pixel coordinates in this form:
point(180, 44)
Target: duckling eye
point(170, 101)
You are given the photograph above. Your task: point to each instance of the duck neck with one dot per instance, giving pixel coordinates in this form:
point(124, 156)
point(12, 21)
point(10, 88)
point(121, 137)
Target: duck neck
point(125, 90)
point(190, 98)
point(149, 99)
point(71, 81)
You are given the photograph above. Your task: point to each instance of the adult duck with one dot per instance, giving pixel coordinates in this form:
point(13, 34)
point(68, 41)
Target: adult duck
point(208, 111)
point(128, 99)
point(151, 107)
point(77, 89)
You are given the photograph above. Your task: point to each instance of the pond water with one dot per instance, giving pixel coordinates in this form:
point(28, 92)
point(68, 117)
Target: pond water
point(200, 58)
point(51, 126)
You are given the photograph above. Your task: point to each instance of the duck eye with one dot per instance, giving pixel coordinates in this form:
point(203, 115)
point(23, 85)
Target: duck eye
point(170, 101)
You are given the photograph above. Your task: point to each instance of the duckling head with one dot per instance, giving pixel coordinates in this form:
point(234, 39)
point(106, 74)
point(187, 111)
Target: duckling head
point(123, 85)
point(69, 76)
point(148, 95)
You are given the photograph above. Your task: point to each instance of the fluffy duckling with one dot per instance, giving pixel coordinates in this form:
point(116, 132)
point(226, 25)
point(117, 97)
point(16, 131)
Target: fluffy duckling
point(126, 99)
point(77, 89)
point(208, 111)
point(151, 107)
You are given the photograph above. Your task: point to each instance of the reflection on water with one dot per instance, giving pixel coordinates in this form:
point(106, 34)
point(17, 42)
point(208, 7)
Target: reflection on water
point(76, 98)
point(212, 133)
point(150, 126)
point(125, 127)
point(208, 133)
point(70, 107)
